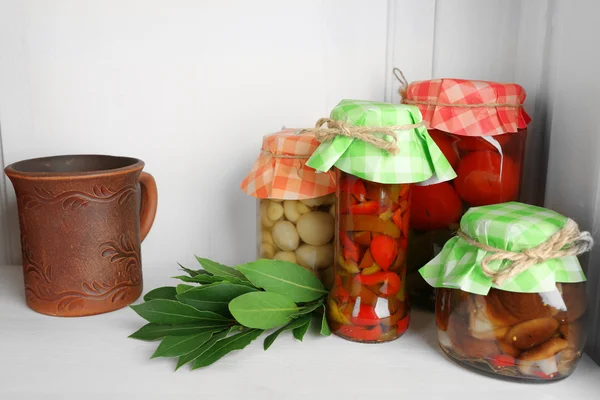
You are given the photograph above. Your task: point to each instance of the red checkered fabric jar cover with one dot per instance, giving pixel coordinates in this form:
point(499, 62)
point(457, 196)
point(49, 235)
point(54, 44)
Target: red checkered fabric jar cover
point(469, 108)
point(280, 171)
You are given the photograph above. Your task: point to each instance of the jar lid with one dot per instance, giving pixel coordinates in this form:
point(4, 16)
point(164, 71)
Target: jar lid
point(417, 158)
point(512, 227)
point(469, 108)
point(280, 172)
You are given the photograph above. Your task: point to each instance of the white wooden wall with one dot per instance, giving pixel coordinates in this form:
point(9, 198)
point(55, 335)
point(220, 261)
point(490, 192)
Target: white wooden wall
point(573, 101)
point(191, 86)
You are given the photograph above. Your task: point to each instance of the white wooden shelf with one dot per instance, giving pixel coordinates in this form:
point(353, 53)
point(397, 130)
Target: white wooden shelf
point(91, 357)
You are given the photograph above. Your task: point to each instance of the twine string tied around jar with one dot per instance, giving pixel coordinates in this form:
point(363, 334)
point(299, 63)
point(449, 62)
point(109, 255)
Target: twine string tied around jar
point(568, 241)
point(368, 134)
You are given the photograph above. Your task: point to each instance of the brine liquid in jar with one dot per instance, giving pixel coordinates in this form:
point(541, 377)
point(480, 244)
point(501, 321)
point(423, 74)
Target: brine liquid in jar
point(299, 231)
point(519, 336)
point(368, 302)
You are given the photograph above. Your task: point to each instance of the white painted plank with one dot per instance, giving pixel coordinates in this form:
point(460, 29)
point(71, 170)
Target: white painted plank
point(189, 87)
point(15, 111)
point(532, 47)
point(411, 26)
point(573, 183)
point(5, 246)
point(476, 39)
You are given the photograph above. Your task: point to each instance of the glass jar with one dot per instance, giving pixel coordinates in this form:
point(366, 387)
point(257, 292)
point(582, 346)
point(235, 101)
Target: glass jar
point(488, 170)
point(520, 336)
point(511, 296)
point(368, 302)
point(296, 205)
point(481, 128)
point(299, 231)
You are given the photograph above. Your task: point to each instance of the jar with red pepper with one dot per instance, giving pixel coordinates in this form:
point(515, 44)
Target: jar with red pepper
point(511, 295)
point(296, 207)
point(481, 128)
point(378, 151)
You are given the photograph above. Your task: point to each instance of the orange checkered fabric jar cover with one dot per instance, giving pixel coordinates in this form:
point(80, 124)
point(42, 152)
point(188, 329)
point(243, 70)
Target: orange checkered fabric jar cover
point(469, 108)
point(280, 172)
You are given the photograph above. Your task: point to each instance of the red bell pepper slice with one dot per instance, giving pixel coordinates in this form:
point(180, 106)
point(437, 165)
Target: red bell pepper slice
point(368, 207)
point(345, 203)
point(391, 282)
point(402, 325)
point(502, 360)
point(384, 250)
point(353, 185)
point(366, 316)
point(351, 250)
point(359, 333)
point(542, 375)
point(340, 292)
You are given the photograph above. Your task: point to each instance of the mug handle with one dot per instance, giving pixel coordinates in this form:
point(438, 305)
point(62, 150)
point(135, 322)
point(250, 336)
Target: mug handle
point(149, 203)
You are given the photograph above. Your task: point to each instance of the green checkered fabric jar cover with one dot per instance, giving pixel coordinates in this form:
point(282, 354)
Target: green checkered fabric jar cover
point(507, 226)
point(419, 159)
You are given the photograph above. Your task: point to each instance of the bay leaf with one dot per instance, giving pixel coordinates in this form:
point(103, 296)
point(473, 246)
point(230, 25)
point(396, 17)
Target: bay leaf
point(215, 297)
point(262, 310)
point(166, 292)
point(176, 346)
point(219, 269)
point(183, 287)
point(157, 331)
point(205, 279)
point(300, 331)
point(284, 278)
point(172, 312)
point(226, 346)
point(307, 309)
point(192, 272)
point(192, 355)
point(296, 323)
point(325, 331)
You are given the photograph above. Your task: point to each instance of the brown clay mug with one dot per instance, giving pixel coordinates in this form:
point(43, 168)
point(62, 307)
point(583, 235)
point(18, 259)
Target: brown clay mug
point(82, 220)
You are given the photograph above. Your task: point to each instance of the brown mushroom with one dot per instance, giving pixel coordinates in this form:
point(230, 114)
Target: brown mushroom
point(509, 349)
point(530, 333)
point(574, 333)
point(442, 308)
point(480, 326)
point(574, 297)
point(510, 308)
point(545, 350)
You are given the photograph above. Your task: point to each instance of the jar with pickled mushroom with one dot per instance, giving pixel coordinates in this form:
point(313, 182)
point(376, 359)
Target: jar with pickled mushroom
point(296, 206)
point(511, 295)
point(481, 128)
point(378, 151)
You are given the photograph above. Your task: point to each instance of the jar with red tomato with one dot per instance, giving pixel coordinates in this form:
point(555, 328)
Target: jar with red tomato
point(481, 128)
point(378, 151)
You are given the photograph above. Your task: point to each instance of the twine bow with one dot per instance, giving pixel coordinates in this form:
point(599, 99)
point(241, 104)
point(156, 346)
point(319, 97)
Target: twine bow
point(367, 134)
point(568, 241)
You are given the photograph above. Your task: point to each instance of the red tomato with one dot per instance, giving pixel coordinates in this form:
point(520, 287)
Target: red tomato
point(447, 145)
point(476, 143)
point(434, 206)
point(485, 177)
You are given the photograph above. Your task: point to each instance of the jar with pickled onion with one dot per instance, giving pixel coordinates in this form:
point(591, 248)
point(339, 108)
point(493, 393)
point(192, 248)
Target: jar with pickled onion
point(296, 206)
